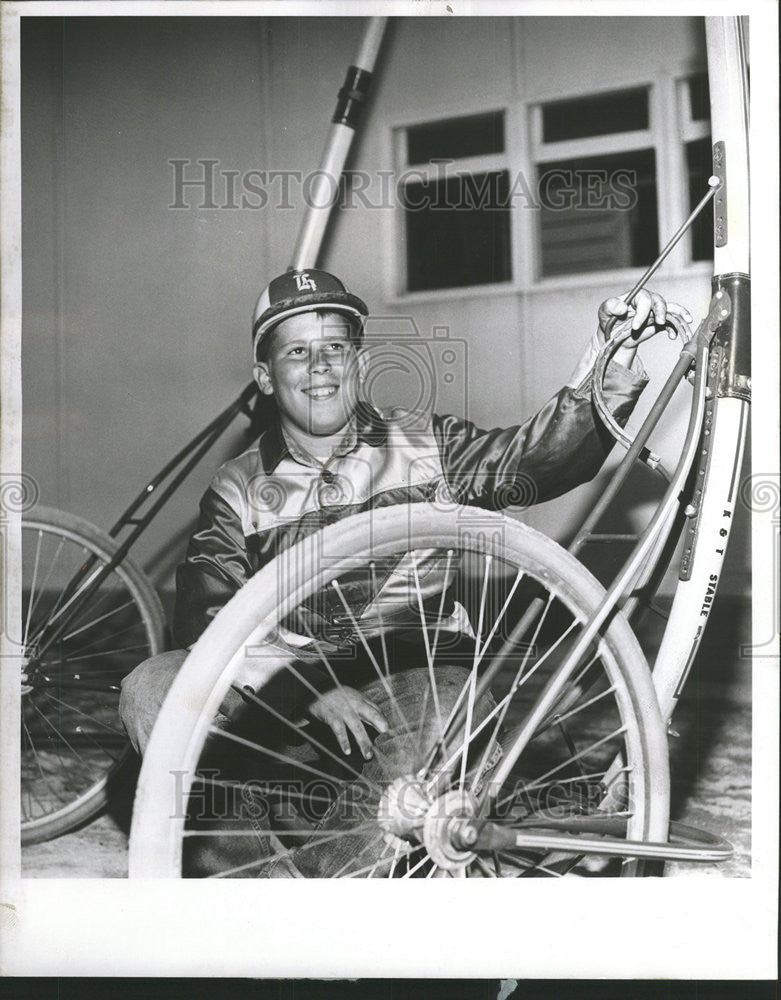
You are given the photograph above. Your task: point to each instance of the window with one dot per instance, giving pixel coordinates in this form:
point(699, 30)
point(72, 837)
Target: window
point(595, 164)
point(598, 212)
point(698, 98)
point(601, 115)
point(694, 126)
point(454, 198)
point(455, 138)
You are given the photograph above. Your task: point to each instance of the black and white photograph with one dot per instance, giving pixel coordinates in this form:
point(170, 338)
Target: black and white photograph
point(380, 498)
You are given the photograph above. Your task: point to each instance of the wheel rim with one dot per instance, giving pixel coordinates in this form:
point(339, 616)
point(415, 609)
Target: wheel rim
point(247, 816)
point(72, 738)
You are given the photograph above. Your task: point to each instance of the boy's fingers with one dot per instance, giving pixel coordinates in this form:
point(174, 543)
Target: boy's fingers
point(616, 306)
point(340, 732)
point(612, 307)
point(643, 304)
point(677, 310)
point(660, 309)
point(360, 734)
point(373, 715)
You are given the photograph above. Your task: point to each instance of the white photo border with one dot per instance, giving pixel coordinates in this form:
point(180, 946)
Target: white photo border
point(673, 929)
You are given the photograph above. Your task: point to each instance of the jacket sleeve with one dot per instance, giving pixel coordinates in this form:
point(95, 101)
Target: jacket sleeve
point(215, 567)
point(562, 446)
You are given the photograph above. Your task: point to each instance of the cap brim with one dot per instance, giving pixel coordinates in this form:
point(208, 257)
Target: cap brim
point(341, 302)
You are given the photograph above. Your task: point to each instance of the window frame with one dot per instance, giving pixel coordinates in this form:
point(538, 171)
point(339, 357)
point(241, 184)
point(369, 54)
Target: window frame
point(689, 130)
point(588, 146)
point(397, 291)
point(670, 127)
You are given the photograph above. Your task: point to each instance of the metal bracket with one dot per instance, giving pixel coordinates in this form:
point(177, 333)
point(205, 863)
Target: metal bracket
point(719, 311)
point(735, 337)
point(720, 234)
point(699, 473)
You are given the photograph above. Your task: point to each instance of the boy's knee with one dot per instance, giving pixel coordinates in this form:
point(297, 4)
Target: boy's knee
point(143, 691)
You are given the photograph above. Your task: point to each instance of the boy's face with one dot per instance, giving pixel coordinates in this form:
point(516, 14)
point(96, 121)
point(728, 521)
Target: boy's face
point(312, 370)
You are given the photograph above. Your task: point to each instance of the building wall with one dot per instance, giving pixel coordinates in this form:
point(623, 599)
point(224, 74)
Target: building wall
point(136, 325)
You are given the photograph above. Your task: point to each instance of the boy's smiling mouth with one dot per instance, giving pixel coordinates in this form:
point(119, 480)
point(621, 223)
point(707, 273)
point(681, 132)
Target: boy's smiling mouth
point(321, 391)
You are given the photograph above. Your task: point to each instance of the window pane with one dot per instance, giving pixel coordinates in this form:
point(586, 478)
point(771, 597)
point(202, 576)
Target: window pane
point(602, 115)
point(472, 135)
point(598, 213)
point(699, 164)
point(458, 231)
point(699, 98)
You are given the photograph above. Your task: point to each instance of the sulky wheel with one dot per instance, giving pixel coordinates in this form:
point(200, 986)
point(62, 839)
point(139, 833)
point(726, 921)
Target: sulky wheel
point(495, 763)
point(75, 655)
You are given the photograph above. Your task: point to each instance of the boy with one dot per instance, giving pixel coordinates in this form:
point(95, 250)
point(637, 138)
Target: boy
point(328, 454)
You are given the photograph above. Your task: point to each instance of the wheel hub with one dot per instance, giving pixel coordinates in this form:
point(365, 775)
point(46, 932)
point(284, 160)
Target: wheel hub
point(403, 807)
point(444, 825)
point(449, 829)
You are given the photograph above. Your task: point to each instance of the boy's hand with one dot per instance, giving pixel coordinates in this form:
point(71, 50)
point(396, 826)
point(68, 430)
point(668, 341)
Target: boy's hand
point(345, 708)
point(649, 308)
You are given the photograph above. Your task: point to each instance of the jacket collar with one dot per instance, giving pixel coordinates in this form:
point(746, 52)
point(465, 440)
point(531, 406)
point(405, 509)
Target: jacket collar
point(370, 428)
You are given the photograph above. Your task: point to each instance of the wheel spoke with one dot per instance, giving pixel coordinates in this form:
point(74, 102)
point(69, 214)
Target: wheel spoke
point(60, 736)
point(78, 711)
point(416, 867)
point(96, 621)
point(32, 600)
point(429, 655)
point(534, 786)
point(445, 588)
point(457, 706)
point(52, 564)
point(298, 729)
point(38, 764)
point(379, 860)
point(97, 602)
point(324, 660)
point(59, 609)
point(340, 873)
point(262, 789)
point(89, 736)
point(268, 752)
point(529, 866)
point(396, 854)
point(518, 577)
point(581, 754)
point(383, 679)
point(107, 652)
point(557, 720)
point(470, 704)
point(541, 708)
point(378, 605)
point(277, 856)
point(484, 868)
point(520, 679)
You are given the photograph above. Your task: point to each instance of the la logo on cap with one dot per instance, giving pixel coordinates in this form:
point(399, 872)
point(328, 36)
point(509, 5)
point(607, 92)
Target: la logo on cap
point(304, 283)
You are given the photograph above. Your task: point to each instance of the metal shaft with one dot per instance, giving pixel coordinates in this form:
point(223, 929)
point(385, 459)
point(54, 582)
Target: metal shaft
point(346, 118)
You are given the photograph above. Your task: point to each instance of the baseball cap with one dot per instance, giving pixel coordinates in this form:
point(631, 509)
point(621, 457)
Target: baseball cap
point(302, 291)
